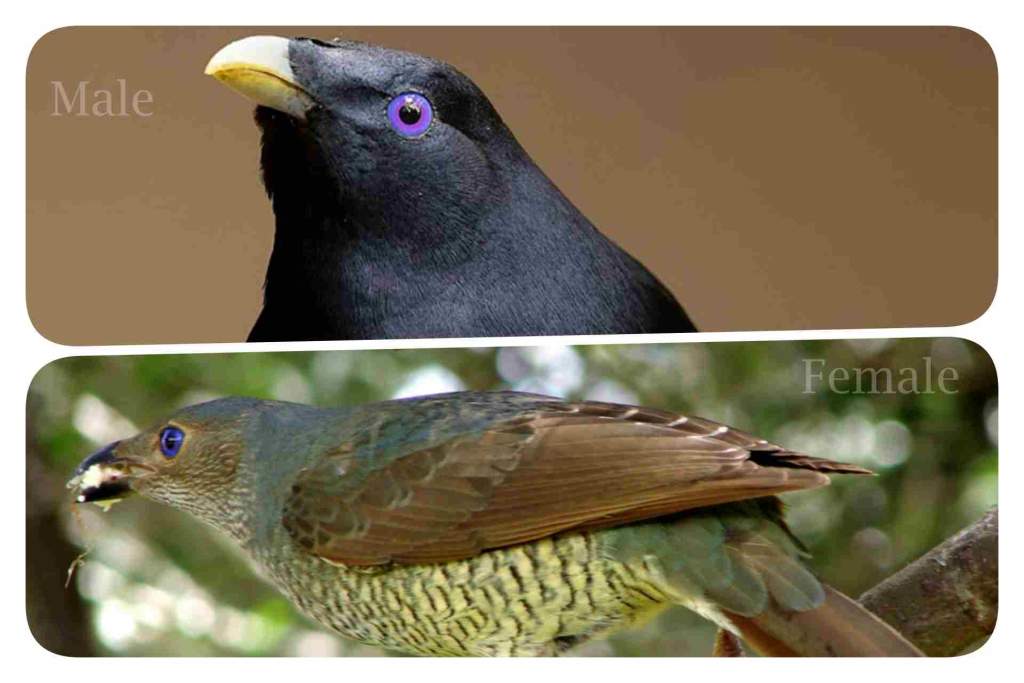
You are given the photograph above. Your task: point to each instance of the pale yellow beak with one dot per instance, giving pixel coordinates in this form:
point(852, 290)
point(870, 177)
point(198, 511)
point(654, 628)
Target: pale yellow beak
point(258, 68)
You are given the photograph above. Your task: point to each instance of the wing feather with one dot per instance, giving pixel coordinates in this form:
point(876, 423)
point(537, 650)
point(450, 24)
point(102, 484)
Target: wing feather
point(549, 468)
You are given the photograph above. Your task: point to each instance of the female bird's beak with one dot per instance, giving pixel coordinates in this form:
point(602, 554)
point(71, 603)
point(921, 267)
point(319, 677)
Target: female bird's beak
point(258, 67)
point(102, 478)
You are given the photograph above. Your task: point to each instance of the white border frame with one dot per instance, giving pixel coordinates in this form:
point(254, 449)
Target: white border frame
point(25, 351)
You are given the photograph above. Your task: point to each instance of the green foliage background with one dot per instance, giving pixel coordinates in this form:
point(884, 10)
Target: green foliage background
point(156, 582)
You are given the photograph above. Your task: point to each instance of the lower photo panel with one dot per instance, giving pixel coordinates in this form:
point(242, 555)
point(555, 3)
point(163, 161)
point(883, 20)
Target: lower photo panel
point(808, 498)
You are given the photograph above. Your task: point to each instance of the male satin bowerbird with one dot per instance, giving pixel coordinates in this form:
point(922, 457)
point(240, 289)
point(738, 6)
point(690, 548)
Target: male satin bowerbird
point(406, 208)
point(499, 523)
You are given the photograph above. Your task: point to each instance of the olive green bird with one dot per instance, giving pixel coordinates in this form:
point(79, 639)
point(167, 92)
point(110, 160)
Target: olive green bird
point(500, 523)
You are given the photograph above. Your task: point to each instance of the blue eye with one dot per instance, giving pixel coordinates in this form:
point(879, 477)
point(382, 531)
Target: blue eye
point(410, 114)
point(171, 439)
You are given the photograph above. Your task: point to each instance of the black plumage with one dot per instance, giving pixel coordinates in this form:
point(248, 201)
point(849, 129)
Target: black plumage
point(453, 233)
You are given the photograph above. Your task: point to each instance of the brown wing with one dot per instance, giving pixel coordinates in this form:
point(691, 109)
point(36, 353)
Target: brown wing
point(566, 466)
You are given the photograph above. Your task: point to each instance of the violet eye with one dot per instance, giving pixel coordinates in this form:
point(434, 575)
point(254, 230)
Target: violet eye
point(410, 114)
point(171, 439)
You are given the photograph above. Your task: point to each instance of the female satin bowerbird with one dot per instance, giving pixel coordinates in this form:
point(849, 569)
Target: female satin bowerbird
point(500, 523)
point(405, 207)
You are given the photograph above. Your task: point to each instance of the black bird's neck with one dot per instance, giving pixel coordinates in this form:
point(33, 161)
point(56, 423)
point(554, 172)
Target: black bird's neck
point(336, 273)
point(342, 267)
point(495, 250)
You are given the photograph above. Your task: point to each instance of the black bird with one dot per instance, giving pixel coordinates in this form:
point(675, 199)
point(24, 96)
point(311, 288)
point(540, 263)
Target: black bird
point(406, 208)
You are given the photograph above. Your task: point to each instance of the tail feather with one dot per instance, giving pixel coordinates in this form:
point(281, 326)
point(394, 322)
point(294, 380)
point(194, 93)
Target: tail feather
point(840, 627)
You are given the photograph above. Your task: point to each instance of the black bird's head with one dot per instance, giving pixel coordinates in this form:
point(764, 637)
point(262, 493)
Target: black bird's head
point(385, 135)
point(404, 206)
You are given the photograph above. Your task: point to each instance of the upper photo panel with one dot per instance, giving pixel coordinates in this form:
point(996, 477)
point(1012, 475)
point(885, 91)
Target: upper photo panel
point(190, 185)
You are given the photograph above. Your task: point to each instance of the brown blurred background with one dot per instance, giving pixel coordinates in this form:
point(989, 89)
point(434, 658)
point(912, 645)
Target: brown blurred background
point(773, 178)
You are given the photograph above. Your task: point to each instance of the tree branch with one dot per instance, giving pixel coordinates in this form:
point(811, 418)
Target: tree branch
point(58, 618)
point(946, 600)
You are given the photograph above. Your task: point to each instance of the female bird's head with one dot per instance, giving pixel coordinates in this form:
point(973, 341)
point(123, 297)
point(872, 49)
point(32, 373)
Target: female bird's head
point(196, 460)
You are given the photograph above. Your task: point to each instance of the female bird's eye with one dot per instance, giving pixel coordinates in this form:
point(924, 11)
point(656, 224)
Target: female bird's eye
point(171, 439)
point(410, 114)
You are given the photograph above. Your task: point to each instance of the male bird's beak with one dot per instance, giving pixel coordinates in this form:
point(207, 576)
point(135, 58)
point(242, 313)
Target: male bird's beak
point(258, 67)
point(103, 478)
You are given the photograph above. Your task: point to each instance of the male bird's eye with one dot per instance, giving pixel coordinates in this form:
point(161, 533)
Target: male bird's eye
point(410, 114)
point(171, 439)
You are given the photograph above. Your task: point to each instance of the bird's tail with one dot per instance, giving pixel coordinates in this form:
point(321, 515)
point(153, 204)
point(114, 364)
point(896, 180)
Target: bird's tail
point(840, 627)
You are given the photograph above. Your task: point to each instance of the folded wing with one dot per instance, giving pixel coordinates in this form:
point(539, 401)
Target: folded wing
point(554, 467)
